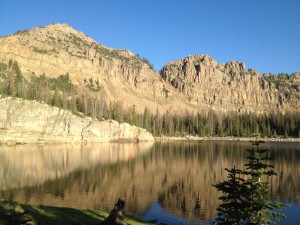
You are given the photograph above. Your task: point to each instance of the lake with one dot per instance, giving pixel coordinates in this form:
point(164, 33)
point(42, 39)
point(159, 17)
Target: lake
point(170, 181)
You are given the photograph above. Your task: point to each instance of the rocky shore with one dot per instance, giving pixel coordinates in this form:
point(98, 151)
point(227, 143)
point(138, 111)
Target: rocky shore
point(195, 138)
point(23, 121)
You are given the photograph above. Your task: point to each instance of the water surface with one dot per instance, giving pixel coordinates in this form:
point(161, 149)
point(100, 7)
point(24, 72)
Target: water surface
point(167, 181)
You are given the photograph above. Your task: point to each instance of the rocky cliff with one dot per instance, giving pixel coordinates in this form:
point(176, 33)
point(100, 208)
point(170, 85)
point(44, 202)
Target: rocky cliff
point(230, 86)
point(24, 121)
point(59, 49)
point(195, 83)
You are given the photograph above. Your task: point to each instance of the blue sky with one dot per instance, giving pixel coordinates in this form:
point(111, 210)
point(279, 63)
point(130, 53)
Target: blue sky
point(264, 34)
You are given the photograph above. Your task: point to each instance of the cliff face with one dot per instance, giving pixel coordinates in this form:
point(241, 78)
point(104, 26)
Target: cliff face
point(59, 49)
point(195, 83)
point(228, 87)
point(31, 122)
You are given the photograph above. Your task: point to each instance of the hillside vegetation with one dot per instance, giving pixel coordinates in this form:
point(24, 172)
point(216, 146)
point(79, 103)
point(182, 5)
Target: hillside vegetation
point(195, 95)
point(61, 92)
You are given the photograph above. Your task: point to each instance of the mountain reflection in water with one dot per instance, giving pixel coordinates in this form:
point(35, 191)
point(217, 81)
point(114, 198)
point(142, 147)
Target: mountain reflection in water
point(177, 176)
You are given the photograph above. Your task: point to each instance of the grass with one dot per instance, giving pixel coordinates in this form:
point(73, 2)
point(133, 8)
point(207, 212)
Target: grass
point(14, 213)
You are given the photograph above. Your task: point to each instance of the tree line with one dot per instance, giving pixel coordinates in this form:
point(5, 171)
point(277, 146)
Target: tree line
point(60, 92)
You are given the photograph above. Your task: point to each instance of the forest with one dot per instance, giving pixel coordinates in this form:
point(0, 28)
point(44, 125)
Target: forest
point(60, 92)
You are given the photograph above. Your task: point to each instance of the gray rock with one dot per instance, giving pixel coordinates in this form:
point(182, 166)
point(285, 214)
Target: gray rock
point(23, 121)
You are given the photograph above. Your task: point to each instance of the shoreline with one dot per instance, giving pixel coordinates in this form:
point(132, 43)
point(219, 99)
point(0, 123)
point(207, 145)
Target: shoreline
point(16, 213)
point(162, 138)
point(246, 139)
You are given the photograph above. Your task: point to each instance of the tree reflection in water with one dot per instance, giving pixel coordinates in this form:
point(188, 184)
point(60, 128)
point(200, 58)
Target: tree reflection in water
point(176, 175)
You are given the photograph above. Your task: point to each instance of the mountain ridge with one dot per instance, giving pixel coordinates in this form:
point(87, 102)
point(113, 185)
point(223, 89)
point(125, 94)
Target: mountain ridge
point(125, 77)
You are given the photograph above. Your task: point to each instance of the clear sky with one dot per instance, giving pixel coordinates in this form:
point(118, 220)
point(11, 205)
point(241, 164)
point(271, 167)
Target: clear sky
point(264, 34)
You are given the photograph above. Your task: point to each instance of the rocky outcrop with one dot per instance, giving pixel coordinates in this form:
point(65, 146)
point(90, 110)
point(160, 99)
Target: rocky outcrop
point(226, 87)
point(23, 121)
point(59, 49)
point(195, 83)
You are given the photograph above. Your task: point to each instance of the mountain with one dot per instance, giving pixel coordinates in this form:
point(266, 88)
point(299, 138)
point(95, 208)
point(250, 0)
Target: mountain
point(59, 49)
point(231, 86)
point(195, 83)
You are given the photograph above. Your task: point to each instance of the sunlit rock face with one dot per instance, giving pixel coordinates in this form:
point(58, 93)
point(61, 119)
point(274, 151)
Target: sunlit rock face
point(228, 87)
point(32, 122)
point(194, 83)
point(59, 49)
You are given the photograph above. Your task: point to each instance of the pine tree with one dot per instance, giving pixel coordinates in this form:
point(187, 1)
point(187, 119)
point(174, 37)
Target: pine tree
point(245, 194)
point(147, 119)
point(232, 210)
point(73, 105)
point(256, 196)
point(56, 100)
point(85, 101)
point(158, 123)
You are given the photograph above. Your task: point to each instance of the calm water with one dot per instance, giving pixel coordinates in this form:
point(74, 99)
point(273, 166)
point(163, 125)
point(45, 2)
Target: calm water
point(167, 181)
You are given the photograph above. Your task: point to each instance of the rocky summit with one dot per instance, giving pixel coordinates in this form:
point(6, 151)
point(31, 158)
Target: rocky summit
point(196, 83)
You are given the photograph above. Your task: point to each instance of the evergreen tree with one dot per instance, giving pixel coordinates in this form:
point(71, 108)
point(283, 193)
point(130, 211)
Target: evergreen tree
point(257, 193)
point(147, 119)
point(62, 93)
point(56, 100)
point(102, 108)
point(211, 123)
point(245, 194)
point(85, 101)
point(232, 210)
point(158, 123)
point(73, 105)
